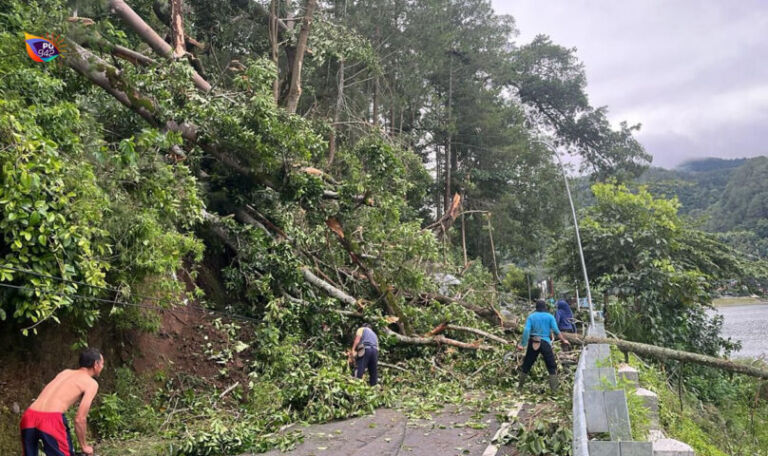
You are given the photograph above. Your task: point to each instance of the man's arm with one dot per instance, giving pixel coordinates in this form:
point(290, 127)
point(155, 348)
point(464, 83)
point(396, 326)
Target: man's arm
point(358, 336)
point(526, 334)
point(81, 419)
point(557, 332)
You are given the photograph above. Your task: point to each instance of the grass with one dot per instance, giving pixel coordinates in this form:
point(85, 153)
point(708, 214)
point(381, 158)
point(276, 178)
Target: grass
point(732, 301)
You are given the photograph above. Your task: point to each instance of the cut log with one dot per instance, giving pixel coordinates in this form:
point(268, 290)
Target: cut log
point(667, 353)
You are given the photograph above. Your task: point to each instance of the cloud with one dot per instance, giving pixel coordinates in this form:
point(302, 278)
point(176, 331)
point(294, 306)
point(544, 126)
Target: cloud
point(692, 72)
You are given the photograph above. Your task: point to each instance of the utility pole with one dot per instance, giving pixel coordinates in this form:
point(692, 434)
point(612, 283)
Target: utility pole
point(578, 236)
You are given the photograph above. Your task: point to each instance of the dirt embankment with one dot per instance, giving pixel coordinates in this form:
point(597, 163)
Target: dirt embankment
point(28, 363)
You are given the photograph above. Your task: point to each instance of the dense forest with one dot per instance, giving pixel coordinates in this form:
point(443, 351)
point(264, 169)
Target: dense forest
point(728, 197)
point(270, 175)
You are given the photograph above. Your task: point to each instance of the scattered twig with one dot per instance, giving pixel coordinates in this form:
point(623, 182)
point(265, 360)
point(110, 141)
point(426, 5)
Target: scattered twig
point(228, 390)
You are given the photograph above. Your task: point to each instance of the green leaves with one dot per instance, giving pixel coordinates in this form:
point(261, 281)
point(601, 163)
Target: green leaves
point(659, 270)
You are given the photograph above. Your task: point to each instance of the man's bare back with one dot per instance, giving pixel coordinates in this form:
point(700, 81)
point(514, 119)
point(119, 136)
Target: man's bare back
point(44, 420)
point(64, 390)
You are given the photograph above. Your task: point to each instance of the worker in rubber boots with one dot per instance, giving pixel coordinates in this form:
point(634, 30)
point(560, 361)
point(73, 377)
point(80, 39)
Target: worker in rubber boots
point(44, 419)
point(537, 338)
point(365, 353)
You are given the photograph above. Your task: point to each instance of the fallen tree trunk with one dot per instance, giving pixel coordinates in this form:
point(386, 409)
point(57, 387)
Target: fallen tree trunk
point(148, 34)
point(332, 291)
point(667, 354)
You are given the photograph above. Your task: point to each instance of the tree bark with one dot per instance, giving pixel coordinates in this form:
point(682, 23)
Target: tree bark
point(177, 29)
point(375, 120)
point(294, 90)
point(155, 41)
point(447, 195)
point(493, 250)
point(273, 40)
point(332, 291)
point(463, 237)
point(667, 354)
point(103, 74)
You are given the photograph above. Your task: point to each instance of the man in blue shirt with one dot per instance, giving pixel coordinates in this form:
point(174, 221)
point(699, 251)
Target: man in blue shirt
point(537, 337)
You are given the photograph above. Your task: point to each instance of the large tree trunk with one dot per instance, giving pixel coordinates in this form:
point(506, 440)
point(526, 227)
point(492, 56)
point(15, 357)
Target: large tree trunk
point(273, 40)
point(667, 354)
point(448, 159)
point(375, 119)
point(294, 90)
point(155, 41)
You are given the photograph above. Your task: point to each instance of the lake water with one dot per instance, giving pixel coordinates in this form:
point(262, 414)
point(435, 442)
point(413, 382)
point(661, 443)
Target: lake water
point(749, 324)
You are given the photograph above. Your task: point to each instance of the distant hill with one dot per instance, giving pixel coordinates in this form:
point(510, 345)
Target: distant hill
point(697, 184)
point(710, 164)
point(726, 196)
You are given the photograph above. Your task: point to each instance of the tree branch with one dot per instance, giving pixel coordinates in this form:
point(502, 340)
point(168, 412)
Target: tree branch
point(479, 333)
point(155, 41)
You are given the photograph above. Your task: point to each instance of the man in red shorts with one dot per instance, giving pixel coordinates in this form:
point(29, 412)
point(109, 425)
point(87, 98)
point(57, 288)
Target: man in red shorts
point(44, 419)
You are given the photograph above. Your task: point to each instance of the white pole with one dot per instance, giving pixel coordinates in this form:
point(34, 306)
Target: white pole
point(578, 237)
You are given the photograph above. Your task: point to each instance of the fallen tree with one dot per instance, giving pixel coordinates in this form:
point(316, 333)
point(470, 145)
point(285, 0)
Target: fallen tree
point(667, 354)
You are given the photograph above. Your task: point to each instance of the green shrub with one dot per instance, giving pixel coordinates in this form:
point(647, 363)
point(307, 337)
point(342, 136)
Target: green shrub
point(123, 413)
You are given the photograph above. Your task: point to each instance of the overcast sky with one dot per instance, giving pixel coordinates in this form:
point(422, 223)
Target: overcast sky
point(694, 73)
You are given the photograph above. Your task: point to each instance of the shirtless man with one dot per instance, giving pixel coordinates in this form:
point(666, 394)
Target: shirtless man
point(44, 419)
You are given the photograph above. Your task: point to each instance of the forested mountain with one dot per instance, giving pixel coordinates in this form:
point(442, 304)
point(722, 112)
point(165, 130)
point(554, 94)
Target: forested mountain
point(724, 196)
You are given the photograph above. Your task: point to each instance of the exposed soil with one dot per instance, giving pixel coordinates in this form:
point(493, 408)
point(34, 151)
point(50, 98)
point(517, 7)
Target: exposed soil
point(28, 363)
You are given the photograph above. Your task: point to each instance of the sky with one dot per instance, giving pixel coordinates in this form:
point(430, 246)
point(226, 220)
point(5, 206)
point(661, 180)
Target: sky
point(694, 73)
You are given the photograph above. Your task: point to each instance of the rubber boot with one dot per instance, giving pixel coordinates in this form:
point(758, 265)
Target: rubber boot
point(553, 382)
point(521, 379)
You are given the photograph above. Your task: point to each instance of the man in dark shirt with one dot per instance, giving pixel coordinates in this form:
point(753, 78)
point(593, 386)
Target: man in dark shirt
point(366, 350)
